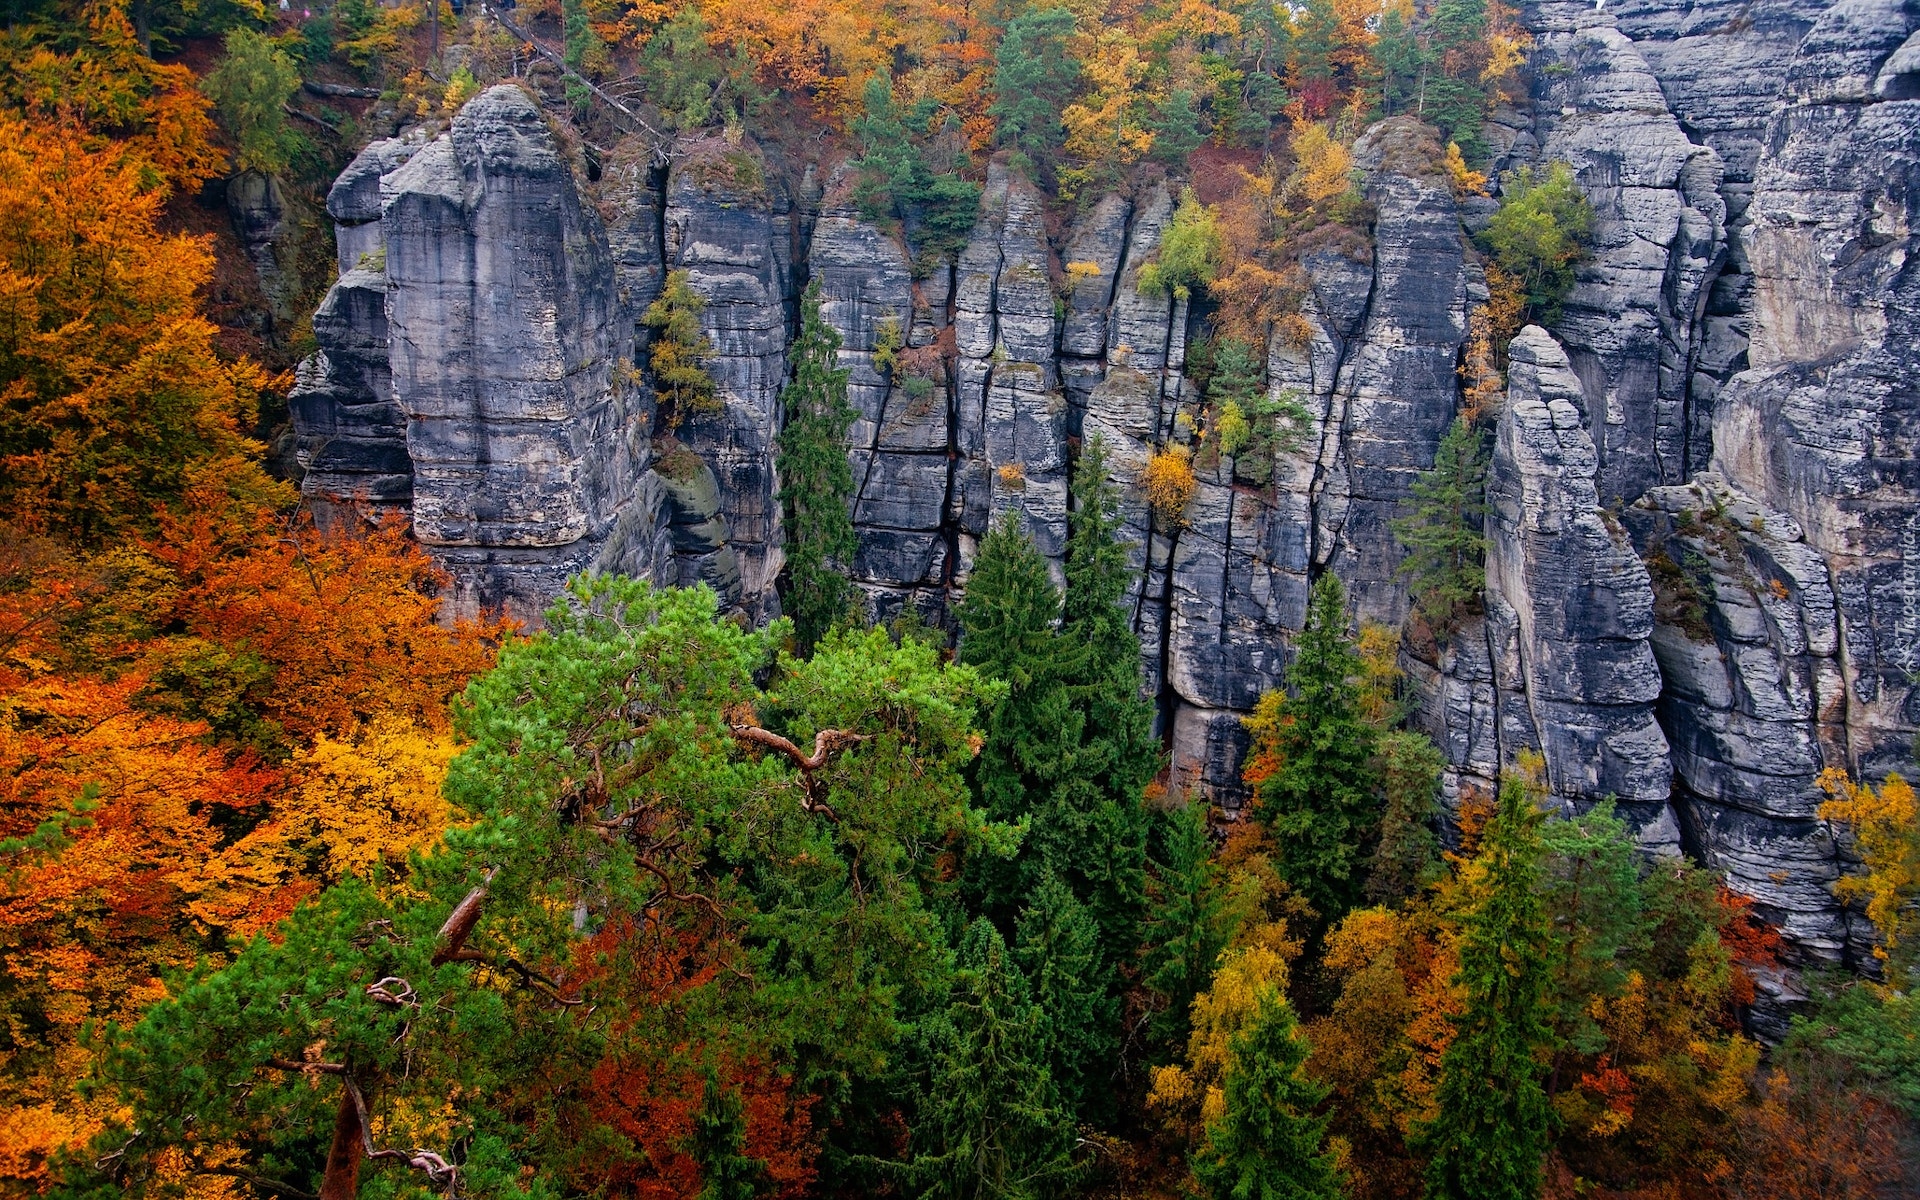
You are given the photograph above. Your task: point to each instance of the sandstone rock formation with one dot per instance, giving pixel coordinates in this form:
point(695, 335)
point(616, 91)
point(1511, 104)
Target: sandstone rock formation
point(1704, 526)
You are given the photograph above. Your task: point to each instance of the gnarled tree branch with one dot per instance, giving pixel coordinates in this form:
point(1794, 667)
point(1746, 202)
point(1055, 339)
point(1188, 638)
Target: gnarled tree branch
point(824, 743)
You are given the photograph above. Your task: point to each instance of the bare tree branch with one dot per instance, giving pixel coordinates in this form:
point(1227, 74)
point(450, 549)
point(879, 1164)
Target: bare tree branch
point(824, 743)
point(460, 922)
point(307, 1068)
point(438, 1170)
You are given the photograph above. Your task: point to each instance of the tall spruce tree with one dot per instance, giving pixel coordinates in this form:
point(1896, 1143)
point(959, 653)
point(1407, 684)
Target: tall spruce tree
point(1407, 853)
point(1488, 1136)
point(1313, 761)
point(1008, 631)
point(1446, 551)
point(1188, 926)
point(1267, 1144)
point(718, 1144)
point(1058, 947)
point(992, 1126)
point(1070, 749)
point(1119, 754)
point(816, 481)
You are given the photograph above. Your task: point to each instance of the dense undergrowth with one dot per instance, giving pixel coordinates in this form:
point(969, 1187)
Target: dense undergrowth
point(306, 889)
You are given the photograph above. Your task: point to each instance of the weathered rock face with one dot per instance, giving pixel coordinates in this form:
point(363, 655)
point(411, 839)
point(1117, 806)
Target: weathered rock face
point(1779, 355)
point(1579, 599)
point(732, 230)
point(900, 444)
point(1631, 327)
point(1703, 582)
point(502, 332)
point(352, 434)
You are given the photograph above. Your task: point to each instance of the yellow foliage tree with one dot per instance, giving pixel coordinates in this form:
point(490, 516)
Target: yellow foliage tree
point(1323, 168)
point(1886, 829)
point(1168, 483)
point(1188, 1096)
point(370, 799)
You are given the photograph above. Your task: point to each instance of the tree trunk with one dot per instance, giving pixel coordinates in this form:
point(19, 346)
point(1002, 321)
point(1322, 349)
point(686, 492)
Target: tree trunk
point(342, 1180)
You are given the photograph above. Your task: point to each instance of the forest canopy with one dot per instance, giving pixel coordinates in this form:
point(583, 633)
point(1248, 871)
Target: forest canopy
point(314, 883)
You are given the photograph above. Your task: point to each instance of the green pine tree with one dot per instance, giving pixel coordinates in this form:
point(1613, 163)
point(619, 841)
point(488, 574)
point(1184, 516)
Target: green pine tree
point(1319, 797)
point(1176, 128)
point(1488, 1138)
point(1033, 80)
point(1409, 765)
point(1446, 551)
point(603, 783)
point(1188, 923)
point(816, 488)
point(1267, 1144)
point(1598, 912)
point(1008, 631)
point(1059, 950)
point(991, 1120)
point(719, 1146)
point(250, 89)
point(1119, 754)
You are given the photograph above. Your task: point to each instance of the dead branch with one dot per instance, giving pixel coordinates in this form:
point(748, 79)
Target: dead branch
point(460, 922)
point(438, 1170)
point(340, 90)
point(404, 997)
point(824, 743)
point(307, 1068)
point(271, 1186)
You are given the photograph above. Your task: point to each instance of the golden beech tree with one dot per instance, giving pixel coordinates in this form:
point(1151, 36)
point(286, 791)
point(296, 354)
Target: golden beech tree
point(103, 90)
point(111, 393)
point(1886, 827)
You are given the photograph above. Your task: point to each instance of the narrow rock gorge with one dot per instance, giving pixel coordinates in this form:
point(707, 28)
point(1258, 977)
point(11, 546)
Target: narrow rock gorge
point(1703, 577)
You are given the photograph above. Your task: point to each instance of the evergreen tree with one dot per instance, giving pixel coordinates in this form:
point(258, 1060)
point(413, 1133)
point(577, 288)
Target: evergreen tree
point(1598, 912)
point(1187, 928)
point(680, 349)
point(1176, 128)
point(250, 90)
point(1119, 754)
point(680, 70)
point(1059, 950)
point(1007, 623)
point(992, 1119)
point(1409, 765)
point(1254, 427)
point(816, 481)
point(1267, 1144)
point(1033, 80)
point(1488, 1136)
point(1446, 551)
point(895, 180)
point(1312, 761)
point(605, 781)
point(719, 1146)
point(1070, 749)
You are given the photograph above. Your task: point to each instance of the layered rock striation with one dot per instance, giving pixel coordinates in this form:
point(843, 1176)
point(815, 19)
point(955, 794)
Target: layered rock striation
point(1703, 526)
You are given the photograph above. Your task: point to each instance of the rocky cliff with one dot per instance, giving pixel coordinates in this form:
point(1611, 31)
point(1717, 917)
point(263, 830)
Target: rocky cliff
point(1704, 563)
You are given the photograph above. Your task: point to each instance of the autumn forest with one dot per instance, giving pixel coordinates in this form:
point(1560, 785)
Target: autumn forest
point(311, 886)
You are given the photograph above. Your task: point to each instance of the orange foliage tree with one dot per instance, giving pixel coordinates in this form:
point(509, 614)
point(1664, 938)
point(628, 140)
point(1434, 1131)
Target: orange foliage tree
point(111, 393)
